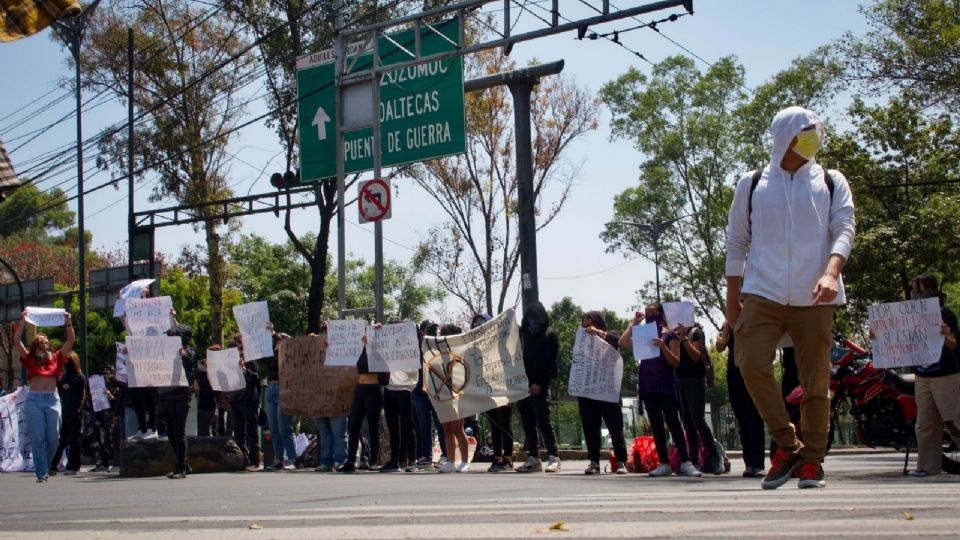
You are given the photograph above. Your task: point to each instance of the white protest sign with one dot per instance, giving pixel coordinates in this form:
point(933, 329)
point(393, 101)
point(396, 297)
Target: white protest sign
point(301, 442)
point(16, 454)
point(224, 371)
point(154, 361)
point(149, 316)
point(121, 372)
point(393, 347)
point(906, 333)
point(643, 335)
point(42, 316)
point(98, 392)
point(344, 342)
point(403, 380)
point(252, 319)
point(130, 290)
point(477, 371)
point(596, 369)
point(678, 313)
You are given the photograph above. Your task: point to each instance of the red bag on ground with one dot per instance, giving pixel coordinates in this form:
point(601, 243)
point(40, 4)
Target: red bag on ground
point(645, 454)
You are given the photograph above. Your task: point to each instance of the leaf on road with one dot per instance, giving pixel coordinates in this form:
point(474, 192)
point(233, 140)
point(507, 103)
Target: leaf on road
point(559, 526)
point(255, 527)
point(908, 516)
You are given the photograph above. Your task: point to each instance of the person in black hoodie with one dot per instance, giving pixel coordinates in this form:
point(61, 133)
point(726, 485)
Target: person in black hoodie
point(594, 413)
point(540, 347)
point(175, 402)
point(245, 410)
point(72, 387)
point(206, 401)
point(367, 404)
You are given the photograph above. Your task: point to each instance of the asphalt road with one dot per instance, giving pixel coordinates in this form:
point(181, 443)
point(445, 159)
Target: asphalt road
point(866, 497)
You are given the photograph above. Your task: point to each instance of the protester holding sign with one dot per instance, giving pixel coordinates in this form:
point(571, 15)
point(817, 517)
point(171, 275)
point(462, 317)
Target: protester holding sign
point(175, 402)
point(367, 404)
point(398, 412)
point(103, 419)
point(594, 412)
point(245, 409)
point(692, 381)
point(456, 437)
point(658, 391)
point(206, 400)
point(72, 388)
point(540, 349)
point(42, 406)
point(501, 432)
point(426, 415)
point(938, 398)
point(281, 425)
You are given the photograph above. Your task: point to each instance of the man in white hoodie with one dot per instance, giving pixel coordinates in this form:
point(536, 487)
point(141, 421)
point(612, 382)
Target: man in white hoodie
point(790, 231)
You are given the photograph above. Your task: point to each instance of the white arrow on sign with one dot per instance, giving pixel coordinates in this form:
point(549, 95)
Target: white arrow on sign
point(320, 120)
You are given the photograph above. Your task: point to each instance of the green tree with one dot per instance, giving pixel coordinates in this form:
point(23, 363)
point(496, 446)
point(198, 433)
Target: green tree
point(404, 296)
point(20, 213)
point(190, 70)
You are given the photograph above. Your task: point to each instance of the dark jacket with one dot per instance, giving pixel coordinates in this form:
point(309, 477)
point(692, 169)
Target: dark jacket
point(540, 346)
point(72, 388)
point(189, 362)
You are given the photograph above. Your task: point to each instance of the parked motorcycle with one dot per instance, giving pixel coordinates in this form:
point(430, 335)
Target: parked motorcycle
point(881, 402)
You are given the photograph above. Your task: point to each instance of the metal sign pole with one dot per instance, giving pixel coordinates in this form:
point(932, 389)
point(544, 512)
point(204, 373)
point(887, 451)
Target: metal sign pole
point(378, 226)
point(339, 49)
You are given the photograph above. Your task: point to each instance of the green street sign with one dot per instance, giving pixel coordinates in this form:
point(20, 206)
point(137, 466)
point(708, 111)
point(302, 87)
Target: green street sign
point(421, 107)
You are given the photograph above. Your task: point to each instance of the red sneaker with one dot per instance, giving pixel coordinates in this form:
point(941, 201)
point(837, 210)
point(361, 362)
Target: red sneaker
point(810, 475)
point(782, 465)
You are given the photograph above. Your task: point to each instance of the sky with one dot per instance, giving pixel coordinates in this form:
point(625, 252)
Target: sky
point(764, 35)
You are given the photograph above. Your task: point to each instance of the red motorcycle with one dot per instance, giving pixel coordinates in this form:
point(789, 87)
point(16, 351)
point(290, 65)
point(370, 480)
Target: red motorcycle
point(882, 403)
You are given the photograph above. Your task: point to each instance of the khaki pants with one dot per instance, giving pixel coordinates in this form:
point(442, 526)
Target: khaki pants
point(938, 406)
point(759, 329)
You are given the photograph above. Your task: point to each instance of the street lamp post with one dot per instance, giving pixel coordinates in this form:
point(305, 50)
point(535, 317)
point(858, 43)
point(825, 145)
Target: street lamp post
point(653, 233)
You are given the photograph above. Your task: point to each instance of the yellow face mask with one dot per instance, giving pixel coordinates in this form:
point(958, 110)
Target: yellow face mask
point(808, 143)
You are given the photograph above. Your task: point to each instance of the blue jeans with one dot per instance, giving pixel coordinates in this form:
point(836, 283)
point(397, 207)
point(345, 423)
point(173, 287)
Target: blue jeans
point(426, 418)
point(42, 410)
point(281, 429)
point(332, 432)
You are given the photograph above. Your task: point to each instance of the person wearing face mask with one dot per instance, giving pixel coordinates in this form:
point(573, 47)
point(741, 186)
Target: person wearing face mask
point(42, 406)
point(594, 413)
point(657, 388)
point(938, 401)
point(790, 230)
point(540, 348)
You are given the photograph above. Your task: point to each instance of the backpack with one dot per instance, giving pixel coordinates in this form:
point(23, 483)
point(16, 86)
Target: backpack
point(827, 179)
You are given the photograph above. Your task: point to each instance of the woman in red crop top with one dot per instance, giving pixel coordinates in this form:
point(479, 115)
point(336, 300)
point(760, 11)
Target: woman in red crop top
point(42, 406)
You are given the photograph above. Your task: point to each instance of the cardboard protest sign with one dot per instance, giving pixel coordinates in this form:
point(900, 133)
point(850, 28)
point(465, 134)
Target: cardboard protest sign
point(309, 386)
point(148, 316)
point(344, 342)
point(130, 290)
point(477, 371)
point(906, 333)
point(678, 313)
point(16, 454)
point(121, 372)
point(224, 371)
point(643, 335)
point(42, 316)
point(252, 319)
point(98, 393)
point(393, 347)
point(154, 361)
point(596, 369)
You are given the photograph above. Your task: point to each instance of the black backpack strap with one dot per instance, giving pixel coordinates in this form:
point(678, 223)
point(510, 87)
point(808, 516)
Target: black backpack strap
point(754, 180)
point(828, 179)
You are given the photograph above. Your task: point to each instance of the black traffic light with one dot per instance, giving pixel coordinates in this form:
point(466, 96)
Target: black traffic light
point(286, 180)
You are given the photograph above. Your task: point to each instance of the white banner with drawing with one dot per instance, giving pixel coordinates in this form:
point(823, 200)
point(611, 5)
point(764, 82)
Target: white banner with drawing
point(596, 369)
point(906, 333)
point(15, 452)
point(149, 316)
point(393, 347)
point(224, 371)
point(252, 319)
point(98, 393)
point(344, 342)
point(154, 361)
point(477, 371)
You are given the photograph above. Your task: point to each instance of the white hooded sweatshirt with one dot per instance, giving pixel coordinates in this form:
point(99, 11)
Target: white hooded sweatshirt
point(795, 226)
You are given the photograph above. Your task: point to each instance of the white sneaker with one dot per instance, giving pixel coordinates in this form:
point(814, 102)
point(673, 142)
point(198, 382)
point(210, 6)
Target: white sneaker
point(440, 462)
point(114, 468)
point(288, 465)
point(662, 470)
point(447, 467)
point(137, 436)
point(689, 469)
point(150, 435)
point(463, 467)
point(553, 464)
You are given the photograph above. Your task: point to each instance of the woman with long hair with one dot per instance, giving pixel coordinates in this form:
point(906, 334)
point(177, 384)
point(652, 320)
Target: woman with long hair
point(453, 431)
point(72, 390)
point(42, 406)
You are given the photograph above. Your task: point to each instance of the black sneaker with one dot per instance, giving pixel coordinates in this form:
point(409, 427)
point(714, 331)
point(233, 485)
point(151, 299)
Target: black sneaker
point(782, 465)
point(592, 468)
point(347, 467)
point(275, 467)
point(810, 475)
point(391, 466)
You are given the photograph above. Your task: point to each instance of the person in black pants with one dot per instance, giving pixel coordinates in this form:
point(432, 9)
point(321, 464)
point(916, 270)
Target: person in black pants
point(245, 411)
point(691, 378)
point(175, 402)
point(594, 413)
point(72, 388)
point(367, 404)
point(540, 348)
point(398, 410)
point(748, 418)
point(206, 401)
